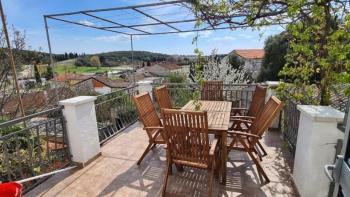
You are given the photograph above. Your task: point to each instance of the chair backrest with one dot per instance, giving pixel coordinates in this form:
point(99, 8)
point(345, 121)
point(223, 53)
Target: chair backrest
point(163, 97)
point(268, 114)
point(258, 101)
point(186, 135)
point(146, 110)
point(212, 90)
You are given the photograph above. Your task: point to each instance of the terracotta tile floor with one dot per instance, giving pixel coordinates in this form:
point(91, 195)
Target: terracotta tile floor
point(115, 173)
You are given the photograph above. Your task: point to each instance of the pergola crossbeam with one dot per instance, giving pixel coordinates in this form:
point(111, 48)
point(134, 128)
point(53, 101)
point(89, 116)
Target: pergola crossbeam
point(152, 24)
point(115, 23)
point(84, 25)
point(120, 8)
point(162, 22)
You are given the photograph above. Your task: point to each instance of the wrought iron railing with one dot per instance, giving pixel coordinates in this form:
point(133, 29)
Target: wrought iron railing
point(239, 94)
point(290, 114)
point(33, 145)
point(290, 124)
point(115, 112)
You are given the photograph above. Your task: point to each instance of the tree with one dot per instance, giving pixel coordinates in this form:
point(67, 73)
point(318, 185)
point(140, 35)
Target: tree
point(319, 32)
point(148, 63)
point(95, 61)
point(82, 61)
point(275, 51)
point(49, 73)
point(37, 74)
point(235, 62)
point(221, 70)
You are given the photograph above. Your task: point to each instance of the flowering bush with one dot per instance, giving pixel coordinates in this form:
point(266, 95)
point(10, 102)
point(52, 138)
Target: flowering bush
point(216, 69)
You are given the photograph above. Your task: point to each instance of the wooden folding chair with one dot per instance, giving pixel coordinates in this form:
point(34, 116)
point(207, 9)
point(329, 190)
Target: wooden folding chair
point(151, 122)
point(163, 97)
point(186, 136)
point(213, 90)
point(246, 140)
point(257, 104)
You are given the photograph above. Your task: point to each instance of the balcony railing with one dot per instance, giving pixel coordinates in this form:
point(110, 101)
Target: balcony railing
point(239, 94)
point(115, 112)
point(33, 145)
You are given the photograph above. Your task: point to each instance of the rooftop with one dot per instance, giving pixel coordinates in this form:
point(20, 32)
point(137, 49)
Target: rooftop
point(250, 53)
point(115, 173)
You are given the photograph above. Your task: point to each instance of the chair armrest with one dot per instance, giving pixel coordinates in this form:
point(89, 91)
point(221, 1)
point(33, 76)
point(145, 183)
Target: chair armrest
point(238, 120)
point(213, 146)
point(176, 108)
point(243, 117)
point(239, 108)
point(155, 127)
point(246, 134)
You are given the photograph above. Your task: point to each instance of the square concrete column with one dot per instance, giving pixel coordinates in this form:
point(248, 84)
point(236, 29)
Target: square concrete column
point(82, 131)
point(317, 138)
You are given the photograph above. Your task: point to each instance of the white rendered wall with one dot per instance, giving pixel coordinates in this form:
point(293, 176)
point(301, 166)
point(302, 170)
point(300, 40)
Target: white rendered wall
point(82, 131)
point(317, 137)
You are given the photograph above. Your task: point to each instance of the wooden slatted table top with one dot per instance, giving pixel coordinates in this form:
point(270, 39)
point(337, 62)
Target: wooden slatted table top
point(218, 113)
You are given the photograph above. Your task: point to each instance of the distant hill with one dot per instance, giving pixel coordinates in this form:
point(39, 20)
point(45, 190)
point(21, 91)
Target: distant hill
point(115, 58)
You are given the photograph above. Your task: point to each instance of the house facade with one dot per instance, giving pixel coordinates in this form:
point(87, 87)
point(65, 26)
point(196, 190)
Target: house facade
point(100, 85)
point(252, 59)
point(161, 69)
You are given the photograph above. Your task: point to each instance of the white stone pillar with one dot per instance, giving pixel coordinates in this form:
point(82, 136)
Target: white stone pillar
point(317, 138)
point(82, 131)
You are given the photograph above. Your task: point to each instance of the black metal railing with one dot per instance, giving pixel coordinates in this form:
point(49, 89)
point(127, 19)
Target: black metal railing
point(291, 116)
point(33, 145)
point(239, 94)
point(290, 124)
point(114, 112)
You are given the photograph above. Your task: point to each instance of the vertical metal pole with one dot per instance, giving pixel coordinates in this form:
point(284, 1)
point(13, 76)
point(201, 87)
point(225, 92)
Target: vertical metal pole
point(11, 60)
point(132, 59)
point(51, 56)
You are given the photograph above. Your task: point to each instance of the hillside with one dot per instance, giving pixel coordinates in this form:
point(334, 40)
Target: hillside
point(116, 58)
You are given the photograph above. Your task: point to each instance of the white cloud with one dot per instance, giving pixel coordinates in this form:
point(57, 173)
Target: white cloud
point(205, 34)
point(202, 34)
point(224, 38)
point(116, 38)
point(185, 34)
point(86, 22)
point(246, 36)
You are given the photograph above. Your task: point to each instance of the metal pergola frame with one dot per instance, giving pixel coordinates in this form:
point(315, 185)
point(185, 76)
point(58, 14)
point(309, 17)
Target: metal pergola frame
point(116, 26)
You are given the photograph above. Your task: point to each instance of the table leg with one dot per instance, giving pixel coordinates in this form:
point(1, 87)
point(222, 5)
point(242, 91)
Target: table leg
point(223, 156)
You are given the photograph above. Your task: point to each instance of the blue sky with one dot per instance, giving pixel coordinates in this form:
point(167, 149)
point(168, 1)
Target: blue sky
point(28, 15)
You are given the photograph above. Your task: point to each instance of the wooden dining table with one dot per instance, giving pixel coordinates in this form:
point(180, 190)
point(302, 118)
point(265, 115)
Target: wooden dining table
point(218, 124)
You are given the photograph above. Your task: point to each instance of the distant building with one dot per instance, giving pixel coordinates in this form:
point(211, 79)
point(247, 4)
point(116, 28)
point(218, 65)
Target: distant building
point(161, 69)
point(36, 101)
point(69, 78)
point(99, 84)
point(252, 59)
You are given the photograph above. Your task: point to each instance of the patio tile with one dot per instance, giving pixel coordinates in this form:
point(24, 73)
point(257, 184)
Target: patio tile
point(115, 173)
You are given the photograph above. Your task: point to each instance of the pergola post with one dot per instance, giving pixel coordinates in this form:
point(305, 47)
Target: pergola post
point(132, 59)
point(11, 61)
point(51, 57)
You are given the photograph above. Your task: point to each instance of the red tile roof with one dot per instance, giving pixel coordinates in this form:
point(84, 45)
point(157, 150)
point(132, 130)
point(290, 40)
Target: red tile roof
point(250, 53)
point(70, 76)
point(112, 83)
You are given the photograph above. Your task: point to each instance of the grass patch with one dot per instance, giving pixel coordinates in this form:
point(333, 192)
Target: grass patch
point(80, 70)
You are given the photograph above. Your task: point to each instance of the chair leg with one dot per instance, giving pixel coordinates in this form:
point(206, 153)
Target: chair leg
point(262, 149)
point(256, 162)
point(210, 180)
point(167, 170)
point(145, 153)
